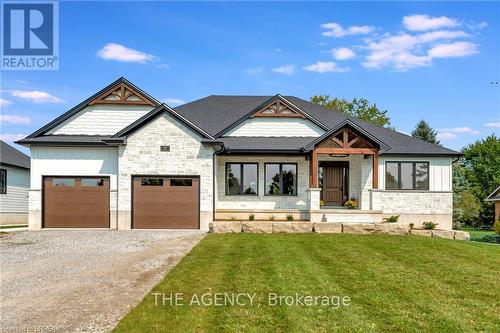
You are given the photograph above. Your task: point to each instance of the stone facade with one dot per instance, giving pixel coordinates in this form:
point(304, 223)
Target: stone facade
point(187, 156)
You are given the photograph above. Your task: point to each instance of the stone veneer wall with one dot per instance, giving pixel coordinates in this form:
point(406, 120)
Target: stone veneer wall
point(261, 201)
point(187, 156)
point(416, 206)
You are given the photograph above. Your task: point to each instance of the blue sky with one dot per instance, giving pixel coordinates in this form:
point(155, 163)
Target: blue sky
point(432, 61)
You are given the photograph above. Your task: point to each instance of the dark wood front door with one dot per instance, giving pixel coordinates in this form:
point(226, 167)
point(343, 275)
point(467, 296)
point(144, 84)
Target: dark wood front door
point(161, 202)
point(333, 185)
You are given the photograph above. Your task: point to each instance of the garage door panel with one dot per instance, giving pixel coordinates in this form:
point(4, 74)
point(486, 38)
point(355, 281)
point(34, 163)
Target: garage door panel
point(76, 202)
point(159, 205)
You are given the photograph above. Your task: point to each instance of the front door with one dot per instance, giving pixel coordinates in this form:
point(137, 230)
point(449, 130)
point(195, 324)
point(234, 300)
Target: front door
point(333, 185)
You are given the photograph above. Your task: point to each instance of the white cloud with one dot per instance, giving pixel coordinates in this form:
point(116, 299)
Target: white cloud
point(405, 51)
point(456, 49)
point(336, 30)
point(113, 51)
point(15, 120)
point(163, 66)
point(343, 53)
point(11, 137)
point(451, 133)
point(36, 96)
point(495, 124)
point(254, 70)
point(286, 69)
point(426, 22)
point(174, 101)
point(324, 67)
point(4, 102)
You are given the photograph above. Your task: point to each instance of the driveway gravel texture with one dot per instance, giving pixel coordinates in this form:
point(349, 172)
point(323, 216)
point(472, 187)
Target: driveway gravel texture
point(82, 280)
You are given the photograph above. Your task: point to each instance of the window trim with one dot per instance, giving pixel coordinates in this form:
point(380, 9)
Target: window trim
point(4, 190)
point(413, 176)
point(226, 185)
point(296, 194)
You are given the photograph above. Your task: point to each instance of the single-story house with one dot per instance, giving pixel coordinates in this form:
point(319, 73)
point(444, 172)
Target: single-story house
point(121, 160)
point(14, 185)
point(495, 197)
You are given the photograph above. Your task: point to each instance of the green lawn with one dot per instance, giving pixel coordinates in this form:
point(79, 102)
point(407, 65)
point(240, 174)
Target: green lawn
point(395, 284)
point(11, 226)
point(476, 234)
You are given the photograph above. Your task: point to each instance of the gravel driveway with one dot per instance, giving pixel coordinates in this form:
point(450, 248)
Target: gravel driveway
point(82, 280)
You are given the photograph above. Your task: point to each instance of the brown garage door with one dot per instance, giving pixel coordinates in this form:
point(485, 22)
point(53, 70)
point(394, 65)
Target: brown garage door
point(165, 202)
point(76, 202)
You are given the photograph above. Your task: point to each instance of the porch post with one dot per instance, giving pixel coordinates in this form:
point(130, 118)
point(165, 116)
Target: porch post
point(375, 170)
point(314, 169)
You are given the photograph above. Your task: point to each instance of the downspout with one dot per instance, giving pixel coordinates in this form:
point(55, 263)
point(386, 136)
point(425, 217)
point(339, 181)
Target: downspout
point(214, 163)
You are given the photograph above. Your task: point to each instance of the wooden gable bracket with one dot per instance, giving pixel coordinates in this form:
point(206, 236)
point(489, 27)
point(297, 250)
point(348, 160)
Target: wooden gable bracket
point(122, 94)
point(349, 140)
point(278, 108)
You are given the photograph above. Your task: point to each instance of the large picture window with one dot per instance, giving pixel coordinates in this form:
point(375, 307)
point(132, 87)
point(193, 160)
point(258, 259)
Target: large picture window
point(3, 181)
point(407, 176)
point(281, 179)
point(241, 178)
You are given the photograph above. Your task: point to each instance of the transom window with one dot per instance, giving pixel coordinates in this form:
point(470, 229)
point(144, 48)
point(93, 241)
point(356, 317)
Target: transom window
point(3, 181)
point(152, 182)
point(181, 182)
point(281, 178)
point(91, 182)
point(62, 182)
point(407, 176)
point(241, 178)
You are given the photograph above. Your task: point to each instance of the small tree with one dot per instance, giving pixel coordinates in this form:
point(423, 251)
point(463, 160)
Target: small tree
point(424, 131)
point(359, 108)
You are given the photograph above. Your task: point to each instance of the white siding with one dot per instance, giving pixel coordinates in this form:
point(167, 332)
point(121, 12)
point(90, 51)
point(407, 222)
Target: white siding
point(101, 120)
point(287, 127)
point(77, 161)
point(16, 199)
point(440, 173)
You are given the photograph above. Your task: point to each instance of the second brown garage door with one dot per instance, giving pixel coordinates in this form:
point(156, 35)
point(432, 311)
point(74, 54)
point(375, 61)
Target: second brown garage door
point(76, 202)
point(165, 202)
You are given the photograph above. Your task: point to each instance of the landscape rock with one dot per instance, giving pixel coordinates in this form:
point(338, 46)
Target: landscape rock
point(328, 227)
point(292, 227)
point(421, 232)
point(462, 235)
point(257, 227)
point(446, 234)
point(222, 227)
point(392, 228)
point(358, 228)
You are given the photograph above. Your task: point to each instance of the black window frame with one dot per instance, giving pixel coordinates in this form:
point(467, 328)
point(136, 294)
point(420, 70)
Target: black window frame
point(414, 175)
point(3, 174)
point(242, 179)
point(296, 192)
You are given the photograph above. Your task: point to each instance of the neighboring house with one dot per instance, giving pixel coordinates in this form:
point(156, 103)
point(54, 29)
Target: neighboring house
point(123, 160)
point(495, 197)
point(14, 185)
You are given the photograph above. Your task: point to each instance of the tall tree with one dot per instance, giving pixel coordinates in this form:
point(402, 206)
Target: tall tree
point(425, 132)
point(482, 161)
point(359, 108)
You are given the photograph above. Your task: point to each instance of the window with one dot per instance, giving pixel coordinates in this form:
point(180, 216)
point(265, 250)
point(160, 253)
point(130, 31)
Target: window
point(241, 178)
point(90, 182)
point(407, 176)
point(151, 182)
point(181, 182)
point(281, 179)
point(3, 181)
point(62, 182)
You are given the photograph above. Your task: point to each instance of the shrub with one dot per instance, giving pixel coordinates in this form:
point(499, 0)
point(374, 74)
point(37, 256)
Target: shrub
point(271, 218)
point(429, 225)
point(412, 225)
point(496, 226)
point(351, 204)
point(491, 239)
point(289, 217)
point(251, 217)
point(321, 203)
point(391, 219)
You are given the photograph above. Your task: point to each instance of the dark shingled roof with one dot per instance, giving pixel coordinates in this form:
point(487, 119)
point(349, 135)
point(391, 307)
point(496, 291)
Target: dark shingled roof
point(11, 156)
point(215, 113)
point(265, 144)
point(92, 140)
